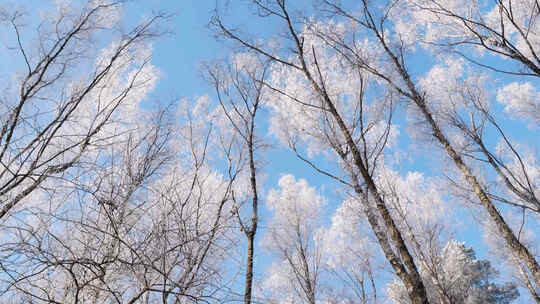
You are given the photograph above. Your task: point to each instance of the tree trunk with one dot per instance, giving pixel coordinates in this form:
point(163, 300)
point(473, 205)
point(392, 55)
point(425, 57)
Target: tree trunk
point(408, 273)
point(254, 219)
point(514, 245)
point(249, 268)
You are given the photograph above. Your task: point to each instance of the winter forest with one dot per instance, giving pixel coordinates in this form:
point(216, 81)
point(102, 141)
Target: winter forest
point(339, 152)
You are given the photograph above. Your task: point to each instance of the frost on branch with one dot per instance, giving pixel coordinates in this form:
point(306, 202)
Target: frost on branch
point(418, 206)
point(521, 100)
point(297, 208)
point(456, 276)
point(301, 116)
point(66, 104)
point(453, 91)
point(351, 254)
point(505, 29)
point(155, 213)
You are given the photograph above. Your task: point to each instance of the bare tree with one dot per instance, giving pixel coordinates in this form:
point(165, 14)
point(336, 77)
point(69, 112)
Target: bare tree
point(92, 209)
point(54, 114)
point(393, 70)
point(239, 89)
point(357, 141)
point(504, 29)
point(459, 278)
point(351, 257)
point(142, 228)
point(297, 210)
point(80, 238)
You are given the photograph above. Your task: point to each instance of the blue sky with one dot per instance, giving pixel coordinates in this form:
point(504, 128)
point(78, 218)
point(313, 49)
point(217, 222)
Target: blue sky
point(179, 56)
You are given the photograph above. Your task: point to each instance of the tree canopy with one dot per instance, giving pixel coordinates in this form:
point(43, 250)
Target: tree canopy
point(404, 133)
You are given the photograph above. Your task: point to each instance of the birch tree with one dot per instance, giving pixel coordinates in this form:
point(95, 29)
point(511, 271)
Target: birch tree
point(56, 108)
point(351, 256)
point(320, 101)
point(102, 201)
point(151, 224)
point(457, 276)
point(240, 91)
point(393, 69)
point(295, 277)
point(502, 31)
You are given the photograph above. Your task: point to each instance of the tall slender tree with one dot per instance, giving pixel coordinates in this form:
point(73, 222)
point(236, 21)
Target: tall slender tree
point(338, 120)
point(240, 90)
point(395, 72)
